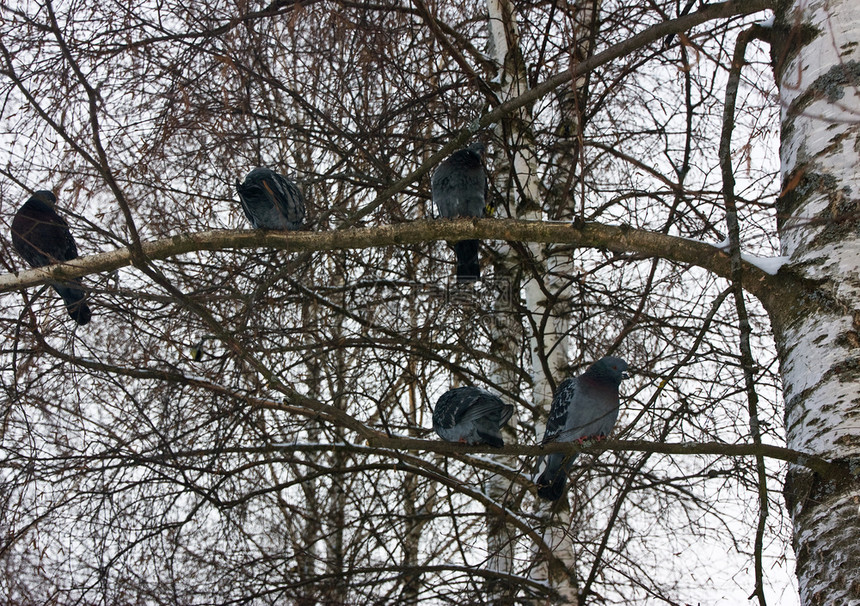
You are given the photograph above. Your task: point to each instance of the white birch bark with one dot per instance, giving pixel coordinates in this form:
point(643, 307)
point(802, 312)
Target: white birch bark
point(501, 539)
point(527, 195)
point(308, 551)
point(817, 63)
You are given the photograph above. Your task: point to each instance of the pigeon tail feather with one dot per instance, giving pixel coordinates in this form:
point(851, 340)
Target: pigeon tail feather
point(80, 313)
point(551, 490)
point(75, 303)
point(468, 268)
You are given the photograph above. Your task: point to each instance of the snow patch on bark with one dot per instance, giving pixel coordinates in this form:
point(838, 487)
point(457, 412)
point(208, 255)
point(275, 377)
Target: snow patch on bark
point(769, 265)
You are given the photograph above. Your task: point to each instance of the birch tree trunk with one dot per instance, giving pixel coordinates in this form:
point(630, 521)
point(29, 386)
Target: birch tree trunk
point(548, 329)
point(337, 589)
point(501, 537)
point(308, 553)
point(506, 332)
point(817, 64)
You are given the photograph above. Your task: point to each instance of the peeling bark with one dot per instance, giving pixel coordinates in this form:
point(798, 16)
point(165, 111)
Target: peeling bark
point(817, 63)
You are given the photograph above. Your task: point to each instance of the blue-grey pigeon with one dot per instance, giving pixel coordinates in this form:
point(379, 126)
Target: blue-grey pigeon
point(459, 187)
point(471, 415)
point(583, 407)
point(271, 201)
point(42, 237)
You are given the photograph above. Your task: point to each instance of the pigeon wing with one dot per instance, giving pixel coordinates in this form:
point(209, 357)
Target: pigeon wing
point(486, 406)
point(559, 410)
point(448, 410)
point(592, 413)
point(70, 248)
point(507, 413)
point(241, 190)
point(41, 236)
point(288, 198)
point(459, 185)
point(442, 190)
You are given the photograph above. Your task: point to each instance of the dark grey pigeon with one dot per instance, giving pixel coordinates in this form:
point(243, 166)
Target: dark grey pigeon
point(471, 415)
point(271, 201)
point(459, 187)
point(583, 407)
point(42, 237)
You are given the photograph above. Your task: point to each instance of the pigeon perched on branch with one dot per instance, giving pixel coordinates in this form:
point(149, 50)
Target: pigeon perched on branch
point(271, 201)
point(459, 187)
point(583, 407)
point(42, 237)
point(471, 415)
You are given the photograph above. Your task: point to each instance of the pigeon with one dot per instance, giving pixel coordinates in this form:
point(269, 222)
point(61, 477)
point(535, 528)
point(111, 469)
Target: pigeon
point(271, 201)
point(471, 415)
point(459, 187)
point(42, 237)
point(583, 407)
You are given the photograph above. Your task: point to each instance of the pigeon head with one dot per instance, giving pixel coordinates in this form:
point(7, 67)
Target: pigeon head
point(250, 189)
point(43, 197)
point(609, 369)
point(477, 147)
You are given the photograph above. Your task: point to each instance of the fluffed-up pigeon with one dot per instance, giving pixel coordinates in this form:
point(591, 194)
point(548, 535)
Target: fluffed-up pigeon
point(459, 188)
point(583, 407)
point(42, 237)
point(271, 201)
point(471, 415)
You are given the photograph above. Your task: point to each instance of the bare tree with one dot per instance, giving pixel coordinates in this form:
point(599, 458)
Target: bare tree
point(640, 212)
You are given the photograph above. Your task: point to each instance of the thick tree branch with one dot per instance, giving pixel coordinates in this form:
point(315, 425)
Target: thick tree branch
point(822, 466)
point(589, 235)
point(381, 443)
